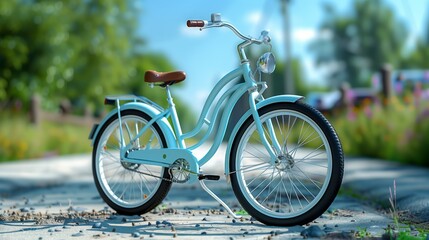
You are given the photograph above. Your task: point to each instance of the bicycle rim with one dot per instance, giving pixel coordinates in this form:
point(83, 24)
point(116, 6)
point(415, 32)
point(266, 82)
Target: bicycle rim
point(298, 180)
point(120, 181)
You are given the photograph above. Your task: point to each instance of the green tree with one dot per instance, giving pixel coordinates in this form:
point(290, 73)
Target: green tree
point(357, 44)
point(78, 50)
point(419, 55)
point(278, 80)
point(417, 58)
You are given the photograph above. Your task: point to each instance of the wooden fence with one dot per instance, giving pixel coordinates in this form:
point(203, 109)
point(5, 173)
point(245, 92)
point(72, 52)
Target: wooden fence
point(37, 115)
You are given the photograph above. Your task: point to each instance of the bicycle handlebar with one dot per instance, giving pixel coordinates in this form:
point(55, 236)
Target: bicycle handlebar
point(195, 23)
point(216, 22)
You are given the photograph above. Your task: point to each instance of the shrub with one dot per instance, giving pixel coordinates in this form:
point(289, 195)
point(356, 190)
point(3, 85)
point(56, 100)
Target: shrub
point(21, 140)
point(398, 132)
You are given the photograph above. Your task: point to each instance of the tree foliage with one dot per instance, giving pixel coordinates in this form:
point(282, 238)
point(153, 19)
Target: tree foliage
point(78, 50)
point(418, 57)
point(356, 45)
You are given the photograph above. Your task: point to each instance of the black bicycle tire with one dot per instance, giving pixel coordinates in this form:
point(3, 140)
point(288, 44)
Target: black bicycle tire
point(336, 176)
point(164, 187)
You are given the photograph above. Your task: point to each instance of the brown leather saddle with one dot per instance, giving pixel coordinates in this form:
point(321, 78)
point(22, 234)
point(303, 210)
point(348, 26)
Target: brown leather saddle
point(164, 78)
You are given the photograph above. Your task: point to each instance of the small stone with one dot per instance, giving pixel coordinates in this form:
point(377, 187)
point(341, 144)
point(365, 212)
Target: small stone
point(96, 225)
point(166, 223)
point(79, 234)
point(113, 229)
point(169, 210)
point(313, 232)
point(149, 224)
point(197, 225)
point(135, 234)
point(152, 235)
point(158, 222)
point(204, 233)
point(353, 220)
point(234, 221)
point(25, 209)
point(204, 219)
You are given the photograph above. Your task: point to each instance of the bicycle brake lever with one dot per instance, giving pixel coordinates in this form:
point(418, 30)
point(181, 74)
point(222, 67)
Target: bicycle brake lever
point(212, 25)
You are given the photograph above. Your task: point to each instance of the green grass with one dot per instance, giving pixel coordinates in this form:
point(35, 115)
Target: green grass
point(21, 140)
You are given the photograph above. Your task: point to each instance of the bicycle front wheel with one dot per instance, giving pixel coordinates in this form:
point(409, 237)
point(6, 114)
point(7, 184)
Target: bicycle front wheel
point(129, 188)
point(304, 179)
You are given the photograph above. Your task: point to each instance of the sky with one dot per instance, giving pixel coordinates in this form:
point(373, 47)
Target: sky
point(208, 55)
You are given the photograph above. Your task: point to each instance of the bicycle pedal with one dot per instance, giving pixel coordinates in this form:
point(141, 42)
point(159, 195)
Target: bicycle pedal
point(208, 177)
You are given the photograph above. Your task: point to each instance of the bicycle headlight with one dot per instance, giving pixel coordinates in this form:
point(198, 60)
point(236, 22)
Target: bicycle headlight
point(267, 63)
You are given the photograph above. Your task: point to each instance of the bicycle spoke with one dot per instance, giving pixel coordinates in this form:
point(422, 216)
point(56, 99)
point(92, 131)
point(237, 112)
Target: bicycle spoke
point(315, 182)
point(251, 168)
point(303, 185)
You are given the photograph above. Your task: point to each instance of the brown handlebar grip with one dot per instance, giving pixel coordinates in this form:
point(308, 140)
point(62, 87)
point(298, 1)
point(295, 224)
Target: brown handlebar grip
point(195, 23)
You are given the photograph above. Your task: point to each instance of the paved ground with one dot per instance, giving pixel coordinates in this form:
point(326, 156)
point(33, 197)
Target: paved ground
point(375, 180)
point(56, 199)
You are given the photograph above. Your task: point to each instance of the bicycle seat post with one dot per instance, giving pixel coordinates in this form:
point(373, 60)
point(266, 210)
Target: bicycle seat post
point(174, 118)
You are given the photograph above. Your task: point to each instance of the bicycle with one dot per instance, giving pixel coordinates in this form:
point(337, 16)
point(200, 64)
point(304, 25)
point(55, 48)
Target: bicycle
point(283, 159)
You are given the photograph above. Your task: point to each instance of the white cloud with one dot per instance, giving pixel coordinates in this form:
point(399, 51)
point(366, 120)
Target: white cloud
point(304, 34)
point(300, 35)
point(254, 17)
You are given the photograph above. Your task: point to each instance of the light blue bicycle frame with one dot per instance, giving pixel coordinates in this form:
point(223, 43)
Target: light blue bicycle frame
point(166, 157)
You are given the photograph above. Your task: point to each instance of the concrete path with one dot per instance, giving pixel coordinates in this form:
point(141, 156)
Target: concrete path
point(56, 199)
point(375, 180)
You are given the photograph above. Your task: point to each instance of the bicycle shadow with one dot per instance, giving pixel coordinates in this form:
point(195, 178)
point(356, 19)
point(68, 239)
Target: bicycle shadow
point(186, 229)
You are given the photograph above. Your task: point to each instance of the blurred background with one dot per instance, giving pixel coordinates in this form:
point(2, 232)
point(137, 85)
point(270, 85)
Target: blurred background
point(363, 63)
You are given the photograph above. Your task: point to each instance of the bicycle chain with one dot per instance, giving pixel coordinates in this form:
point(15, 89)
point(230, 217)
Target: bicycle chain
point(151, 175)
point(162, 178)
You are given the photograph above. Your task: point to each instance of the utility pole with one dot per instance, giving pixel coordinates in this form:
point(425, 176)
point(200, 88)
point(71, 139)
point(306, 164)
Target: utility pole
point(288, 86)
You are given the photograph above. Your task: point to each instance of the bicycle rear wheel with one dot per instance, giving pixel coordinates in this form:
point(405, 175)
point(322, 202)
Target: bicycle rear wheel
point(306, 176)
point(120, 184)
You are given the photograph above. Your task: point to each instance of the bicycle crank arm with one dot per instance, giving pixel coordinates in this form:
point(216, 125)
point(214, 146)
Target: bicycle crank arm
point(164, 158)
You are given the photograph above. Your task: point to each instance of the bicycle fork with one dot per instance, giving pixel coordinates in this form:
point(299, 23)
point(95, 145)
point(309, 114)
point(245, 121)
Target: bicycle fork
point(274, 148)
